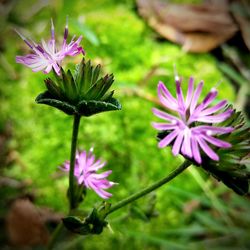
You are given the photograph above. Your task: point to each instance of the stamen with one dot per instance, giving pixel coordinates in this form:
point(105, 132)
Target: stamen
point(176, 77)
point(52, 30)
point(40, 48)
point(24, 39)
point(66, 31)
point(218, 84)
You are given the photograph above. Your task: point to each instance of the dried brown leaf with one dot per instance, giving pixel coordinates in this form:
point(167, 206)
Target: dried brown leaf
point(25, 225)
point(191, 206)
point(198, 28)
point(241, 12)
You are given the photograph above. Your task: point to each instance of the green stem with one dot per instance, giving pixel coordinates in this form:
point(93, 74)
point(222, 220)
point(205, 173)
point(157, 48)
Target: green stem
point(72, 203)
point(72, 161)
point(55, 235)
point(150, 188)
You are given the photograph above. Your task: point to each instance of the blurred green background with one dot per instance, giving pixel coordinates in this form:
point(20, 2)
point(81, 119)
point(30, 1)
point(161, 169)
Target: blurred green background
point(192, 212)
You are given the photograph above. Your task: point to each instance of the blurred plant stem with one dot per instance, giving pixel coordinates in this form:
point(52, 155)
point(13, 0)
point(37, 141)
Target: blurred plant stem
point(55, 235)
point(150, 188)
point(72, 202)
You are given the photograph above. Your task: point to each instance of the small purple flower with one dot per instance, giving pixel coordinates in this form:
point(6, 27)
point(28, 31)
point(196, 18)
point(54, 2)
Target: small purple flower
point(86, 173)
point(185, 136)
point(46, 56)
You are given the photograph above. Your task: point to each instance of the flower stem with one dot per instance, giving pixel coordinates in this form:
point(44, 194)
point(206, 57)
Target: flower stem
point(150, 188)
point(55, 235)
point(72, 161)
point(72, 203)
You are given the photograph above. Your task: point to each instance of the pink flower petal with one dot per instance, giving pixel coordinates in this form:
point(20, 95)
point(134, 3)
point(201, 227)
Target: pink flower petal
point(210, 153)
point(183, 134)
point(215, 118)
point(189, 92)
point(213, 109)
point(177, 143)
point(180, 97)
point(217, 142)
point(207, 100)
point(86, 173)
point(195, 150)
point(186, 146)
point(163, 126)
point(196, 96)
point(166, 98)
point(164, 115)
point(45, 56)
point(213, 129)
point(168, 139)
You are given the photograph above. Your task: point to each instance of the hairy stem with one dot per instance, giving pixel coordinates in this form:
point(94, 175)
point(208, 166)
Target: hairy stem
point(55, 235)
point(72, 161)
point(150, 188)
point(72, 202)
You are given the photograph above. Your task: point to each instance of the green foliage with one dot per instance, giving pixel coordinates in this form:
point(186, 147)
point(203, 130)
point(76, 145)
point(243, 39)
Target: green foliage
point(83, 94)
point(94, 223)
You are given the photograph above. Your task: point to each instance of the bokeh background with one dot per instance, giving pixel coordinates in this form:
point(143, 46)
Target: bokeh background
point(192, 212)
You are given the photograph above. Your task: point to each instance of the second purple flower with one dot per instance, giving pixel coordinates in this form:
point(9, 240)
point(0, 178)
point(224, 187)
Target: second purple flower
point(184, 134)
point(86, 168)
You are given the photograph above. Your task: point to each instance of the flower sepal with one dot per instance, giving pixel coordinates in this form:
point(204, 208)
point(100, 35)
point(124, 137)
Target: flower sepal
point(94, 223)
point(84, 93)
point(233, 168)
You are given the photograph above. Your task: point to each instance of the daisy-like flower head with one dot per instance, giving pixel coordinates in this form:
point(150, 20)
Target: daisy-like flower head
point(46, 56)
point(184, 134)
point(86, 173)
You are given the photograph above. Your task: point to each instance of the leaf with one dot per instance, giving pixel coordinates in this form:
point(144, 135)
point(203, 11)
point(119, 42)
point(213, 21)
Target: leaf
point(48, 99)
point(96, 73)
point(88, 108)
point(108, 95)
point(73, 87)
point(97, 224)
point(84, 108)
point(160, 242)
point(208, 25)
point(232, 73)
point(241, 12)
point(58, 80)
point(208, 221)
point(79, 75)
point(97, 90)
point(53, 88)
point(239, 185)
point(75, 225)
point(87, 77)
point(65, 82)
point(88, 33)
point(81, 94)
point(137, 212)
point(92, 224)
point(108, 80)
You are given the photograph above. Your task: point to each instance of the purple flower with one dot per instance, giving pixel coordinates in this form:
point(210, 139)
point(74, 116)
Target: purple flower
point(46, 56)
point(86, 173)
point(184, 134)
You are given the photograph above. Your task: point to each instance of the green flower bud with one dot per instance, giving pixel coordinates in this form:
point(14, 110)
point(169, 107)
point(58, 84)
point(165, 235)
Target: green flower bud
point(233, 168)
point(85, 93)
